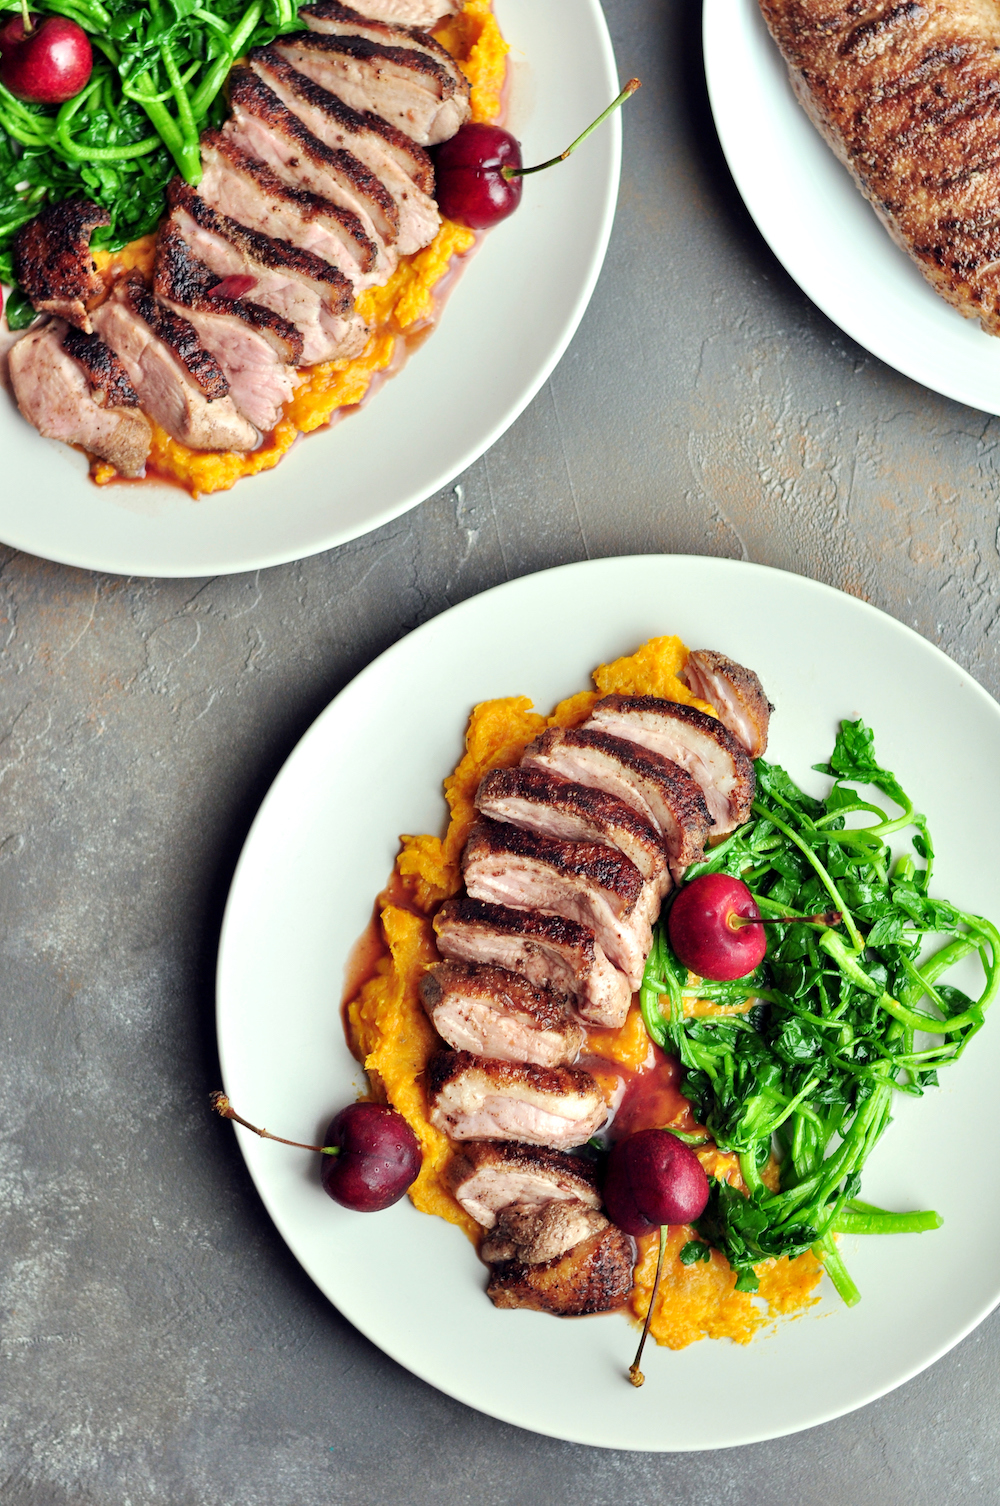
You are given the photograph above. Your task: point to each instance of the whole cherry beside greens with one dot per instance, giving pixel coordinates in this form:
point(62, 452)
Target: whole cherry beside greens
point(479, 171)
point(372, 1155)
point(45, 60)
point(717, 930)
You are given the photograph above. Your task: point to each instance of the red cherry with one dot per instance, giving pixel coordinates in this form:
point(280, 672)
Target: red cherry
point(471, 188)
point(705, 932)
point(47, 65)
point(379, 1157)
point(654, 1179)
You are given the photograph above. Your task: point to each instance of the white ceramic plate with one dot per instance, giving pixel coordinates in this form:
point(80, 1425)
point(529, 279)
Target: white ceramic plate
point(822, 229)
point(511, 316)
point(322, 847)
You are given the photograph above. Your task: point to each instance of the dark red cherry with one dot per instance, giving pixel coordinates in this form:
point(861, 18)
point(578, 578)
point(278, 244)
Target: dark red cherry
point(471, 188)
point(48, 64)
point(379, 1157)
point(708, 928)
point(653, 1179)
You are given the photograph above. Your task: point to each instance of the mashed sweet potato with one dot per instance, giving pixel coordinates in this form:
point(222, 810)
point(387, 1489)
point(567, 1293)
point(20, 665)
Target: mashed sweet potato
point(390, 1034)
point(395, 312)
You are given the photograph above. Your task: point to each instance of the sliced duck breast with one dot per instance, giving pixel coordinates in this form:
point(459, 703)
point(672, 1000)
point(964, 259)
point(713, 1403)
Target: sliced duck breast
point(477, 1098)
point(735, 692)
point(660, 790)
point(533, 1235)
point(311, 294)
point(52, 260)
point(248, 191)
point(179, 384)
point(404, 168)
point(72, 387)
point(407, 12)
point(256, 348)
point(487, 1175)
point(492, 1012)
point(592, 1277)
point(333, 19)
point(587, 882)
point(267, 129)
point(548, 950)
point(409, 88)
point(697, 742)
point(556, 807)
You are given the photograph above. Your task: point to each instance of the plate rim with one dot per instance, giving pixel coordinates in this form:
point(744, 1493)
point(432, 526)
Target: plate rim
point(249, 1144)
point(19, 535)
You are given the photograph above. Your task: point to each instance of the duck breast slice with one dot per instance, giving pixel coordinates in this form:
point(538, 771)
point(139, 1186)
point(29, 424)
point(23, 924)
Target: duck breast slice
point(256, 348)
point(492, 1012)
point(478, 1098)
point(245, 189)
point(268, 129)
point(659, 789)
point(698, 743)
point(593, 1277)
point(402, 167)
point(487, 1175)
point(179, 383)
point(311, 294)
point(52, 260)
point(409, 88)
point(407, 12)
point(556, 807)
point(735, 692)
point(587, 882)
point(533, 1235)
point(334, 19)
point(72, 387)
point(548, 950)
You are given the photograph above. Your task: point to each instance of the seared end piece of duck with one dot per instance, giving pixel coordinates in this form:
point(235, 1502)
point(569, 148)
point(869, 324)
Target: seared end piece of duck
point(593, 1277)
point(264, 126)
point(309, 293)
point(587, 882)
point(255, 347)
point(52, 260)
point(533, 1235)
point(735, 692)
point(407, 12)
point(487, 1175)
point(556, 807)
point(698, 743)
point(478, 1098)
point(178, 382)
point(73, 388)
point(656, 787)
point(408, 87)
point(547, 949)
point(905, 95)
point(245, 189)
point(492, 1012)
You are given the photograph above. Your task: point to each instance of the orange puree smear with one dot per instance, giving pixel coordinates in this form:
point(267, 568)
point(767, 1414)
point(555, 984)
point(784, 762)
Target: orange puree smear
point(400, 311)
point(391, 1035)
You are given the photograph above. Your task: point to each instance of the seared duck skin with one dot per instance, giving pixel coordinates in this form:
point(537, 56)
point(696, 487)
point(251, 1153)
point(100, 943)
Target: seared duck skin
point(906, 95)
point(52, 260)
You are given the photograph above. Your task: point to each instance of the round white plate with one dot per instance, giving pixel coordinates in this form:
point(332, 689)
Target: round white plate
point(820, 226)
point(323, 845)
point(511, 316)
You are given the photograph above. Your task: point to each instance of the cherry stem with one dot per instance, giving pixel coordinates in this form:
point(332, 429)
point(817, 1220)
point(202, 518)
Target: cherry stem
point(26, 18)
point(221, 1105)
point(635, 1375)
point(523, 172)
point(824, 918)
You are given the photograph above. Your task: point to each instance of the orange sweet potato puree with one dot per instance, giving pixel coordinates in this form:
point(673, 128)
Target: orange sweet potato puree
point(390, 1034)
point(399, 311)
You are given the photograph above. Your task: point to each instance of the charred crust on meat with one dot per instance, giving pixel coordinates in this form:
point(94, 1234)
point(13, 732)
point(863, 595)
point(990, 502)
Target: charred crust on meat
point(52, 260)
point(332, 10)
point(426, 70)
point(420, 166)
point(603, 866)
point(446, 1066)
point(547, 1008)
point(104, 371)
point(553, 929)
point(710, 726)
point(178, 334)
point(516, 1156)
point(594, 1277)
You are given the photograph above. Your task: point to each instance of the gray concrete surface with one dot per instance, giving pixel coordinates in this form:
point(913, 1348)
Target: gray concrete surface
point(159, 1343)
